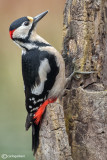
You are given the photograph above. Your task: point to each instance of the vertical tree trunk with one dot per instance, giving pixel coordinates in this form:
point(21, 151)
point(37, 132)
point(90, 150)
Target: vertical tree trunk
point(54, 143)
point(84, 104)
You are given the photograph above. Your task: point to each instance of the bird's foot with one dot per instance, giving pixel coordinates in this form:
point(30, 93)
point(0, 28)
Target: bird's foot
point(78, 72)
point(38, 115)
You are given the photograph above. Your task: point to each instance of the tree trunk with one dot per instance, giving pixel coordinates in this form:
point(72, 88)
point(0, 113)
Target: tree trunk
point(84, 103)
point(53, 137)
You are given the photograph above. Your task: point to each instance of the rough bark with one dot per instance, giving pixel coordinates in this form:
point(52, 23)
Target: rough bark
point(54, 143)
point(85, 101)
point(84, 106)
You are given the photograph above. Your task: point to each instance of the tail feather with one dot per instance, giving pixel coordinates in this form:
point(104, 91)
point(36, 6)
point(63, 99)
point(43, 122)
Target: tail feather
point(35, 132)
point(35, 137)
point(35, 127)
point(28, 121)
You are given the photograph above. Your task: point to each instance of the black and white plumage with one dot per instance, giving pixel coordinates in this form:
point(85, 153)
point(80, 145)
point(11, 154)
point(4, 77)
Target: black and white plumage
point(43, 71)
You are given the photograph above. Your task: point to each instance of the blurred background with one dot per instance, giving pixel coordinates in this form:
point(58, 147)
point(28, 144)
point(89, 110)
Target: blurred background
point(13, 137)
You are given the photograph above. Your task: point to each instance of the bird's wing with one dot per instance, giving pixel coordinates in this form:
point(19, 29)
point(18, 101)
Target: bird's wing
point(30, 67)
point(43, 70)
point(39, 71)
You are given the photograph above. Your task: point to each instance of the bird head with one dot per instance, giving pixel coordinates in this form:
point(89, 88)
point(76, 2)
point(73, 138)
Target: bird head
point(22, 28)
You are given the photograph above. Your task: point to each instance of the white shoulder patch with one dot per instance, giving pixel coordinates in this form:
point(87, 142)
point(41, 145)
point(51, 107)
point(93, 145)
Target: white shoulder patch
point(44, 69)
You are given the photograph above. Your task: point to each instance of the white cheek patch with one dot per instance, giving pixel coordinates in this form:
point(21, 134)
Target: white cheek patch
point(22, 31)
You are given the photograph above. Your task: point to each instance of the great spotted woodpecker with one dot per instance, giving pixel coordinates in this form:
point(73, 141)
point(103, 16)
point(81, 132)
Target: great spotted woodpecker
point(43, 71)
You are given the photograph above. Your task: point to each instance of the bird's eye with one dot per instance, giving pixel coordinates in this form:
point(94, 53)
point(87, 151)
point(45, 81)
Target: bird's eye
point(26, 23)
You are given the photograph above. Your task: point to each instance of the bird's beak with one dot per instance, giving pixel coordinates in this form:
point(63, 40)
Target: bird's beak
point(39, 17)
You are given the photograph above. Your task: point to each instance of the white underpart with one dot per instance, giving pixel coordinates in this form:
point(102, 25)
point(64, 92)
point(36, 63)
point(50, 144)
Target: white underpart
point(44, 69)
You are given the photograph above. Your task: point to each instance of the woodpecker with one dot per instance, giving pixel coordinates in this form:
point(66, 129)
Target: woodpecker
point(43, 71)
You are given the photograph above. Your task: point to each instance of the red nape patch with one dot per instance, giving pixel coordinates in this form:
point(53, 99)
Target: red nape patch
point(11, 33)
point(40, 111)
